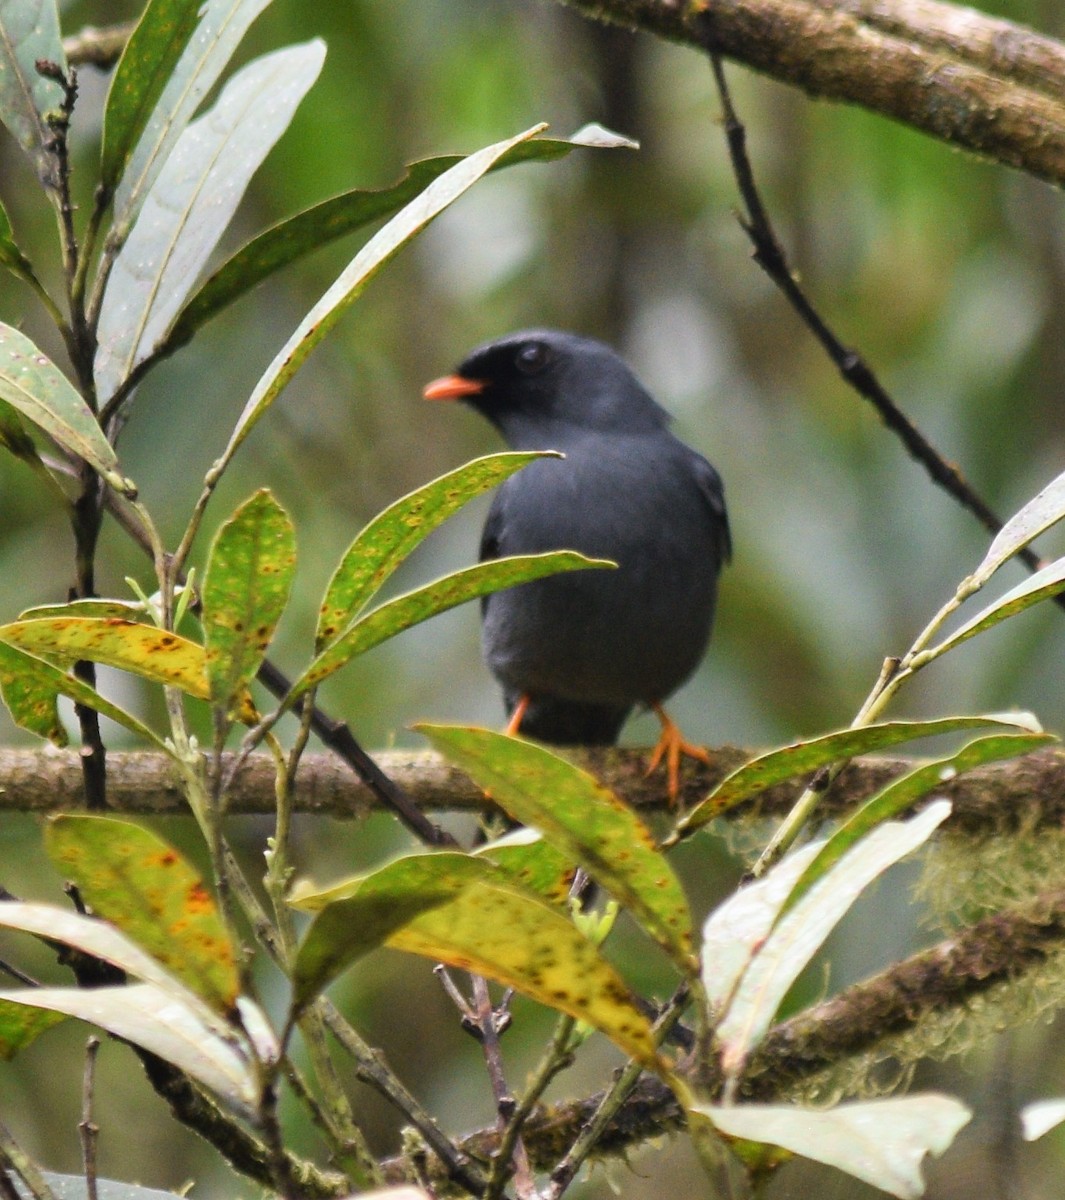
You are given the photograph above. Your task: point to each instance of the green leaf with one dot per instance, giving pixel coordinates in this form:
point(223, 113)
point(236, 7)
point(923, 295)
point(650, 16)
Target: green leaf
point(307, 231)
point(776, 963)
point(201, 64)
point(465, 912)
point(382, 247)
point(532, 862)
point(1040, 586)
point(585, 820)
point(392, 535)
point(30, 695)
point(425, 602)
point(19, 1026)
point(10, 254)
point(29, 32)
point(1042, 511)
point(144, 887)
point(30, 687)
point(152, 653)
point(147, 63)
point(191, 203)
point(245, 589)
point(13, 437)
point(882, 1142)
point(906, 791)
point(126, 610)
point(802, 757)
point(31, 383)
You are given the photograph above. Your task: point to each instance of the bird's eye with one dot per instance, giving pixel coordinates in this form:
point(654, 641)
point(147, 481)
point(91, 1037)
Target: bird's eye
point(532, 357)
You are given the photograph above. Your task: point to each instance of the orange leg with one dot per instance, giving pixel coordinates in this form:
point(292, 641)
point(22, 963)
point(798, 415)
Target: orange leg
point(671, 745)
point(516, 717)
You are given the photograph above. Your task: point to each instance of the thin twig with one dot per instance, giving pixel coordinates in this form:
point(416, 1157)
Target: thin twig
point(88, 1130)
point(769, 254)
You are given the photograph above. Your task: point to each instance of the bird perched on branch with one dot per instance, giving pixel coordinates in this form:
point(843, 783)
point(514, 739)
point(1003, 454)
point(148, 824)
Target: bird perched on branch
point(575, 653)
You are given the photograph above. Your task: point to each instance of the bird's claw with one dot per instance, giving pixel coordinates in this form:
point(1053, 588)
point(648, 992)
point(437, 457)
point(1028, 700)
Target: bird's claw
point(670, 747)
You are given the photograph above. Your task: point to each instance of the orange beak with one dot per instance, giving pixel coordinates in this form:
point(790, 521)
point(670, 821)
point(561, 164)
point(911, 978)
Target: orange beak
point(452, 387)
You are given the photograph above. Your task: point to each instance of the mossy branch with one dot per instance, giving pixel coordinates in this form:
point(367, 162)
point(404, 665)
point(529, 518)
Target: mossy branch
point(1003, 961)
point(977, 82)
point(1024, 793)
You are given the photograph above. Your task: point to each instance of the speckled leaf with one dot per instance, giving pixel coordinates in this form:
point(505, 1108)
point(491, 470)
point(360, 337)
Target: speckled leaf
point(380, 249)
point(144, 887)
point(147, 63)
point(30, 687)
point(204, 59)
point(802, 757)
point(532, 862)
point(30, 694)
point(393, 534)
point(191, 204)
point(358, 915)
point(585, 820)
point(152, 653)
point(19, 1026)
point(904, 792)
point(333, 218)
point(474, 917)
point(799, 934)
point(882, 1142)
point(1040, 586)
point(41, 392)
point(29, 32)
point(436, 597)
point(152, 1017)
point(245, 589)
point(127, 610)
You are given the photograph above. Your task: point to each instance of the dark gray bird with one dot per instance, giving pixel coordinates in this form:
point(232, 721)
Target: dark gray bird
point(575, 653)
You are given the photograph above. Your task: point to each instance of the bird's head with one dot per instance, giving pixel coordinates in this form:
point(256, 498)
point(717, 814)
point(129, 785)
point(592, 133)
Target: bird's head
point(538, 384)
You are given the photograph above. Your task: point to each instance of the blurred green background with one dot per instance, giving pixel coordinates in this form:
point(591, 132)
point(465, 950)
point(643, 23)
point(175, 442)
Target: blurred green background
point(947, 273)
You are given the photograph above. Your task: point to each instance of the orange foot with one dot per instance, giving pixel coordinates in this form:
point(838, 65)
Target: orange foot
point(671, 745)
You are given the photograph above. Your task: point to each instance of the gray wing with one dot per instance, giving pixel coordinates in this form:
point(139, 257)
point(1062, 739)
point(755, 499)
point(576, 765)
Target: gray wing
point(713, 491)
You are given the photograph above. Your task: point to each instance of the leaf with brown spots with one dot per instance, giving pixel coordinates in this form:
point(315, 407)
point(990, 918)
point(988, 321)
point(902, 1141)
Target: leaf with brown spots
point(30, 687)
point(144, 887)
point(392, 535)
point(585, 820)
point(468, 912)
point(248, 579)
point(152, 653)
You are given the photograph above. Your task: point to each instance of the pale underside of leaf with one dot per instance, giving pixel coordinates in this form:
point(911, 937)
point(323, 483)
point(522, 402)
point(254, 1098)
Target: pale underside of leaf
point(882, 1142)
point(800, 932)
point(191, 203)
point(221, 28)
point(154, 1019)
